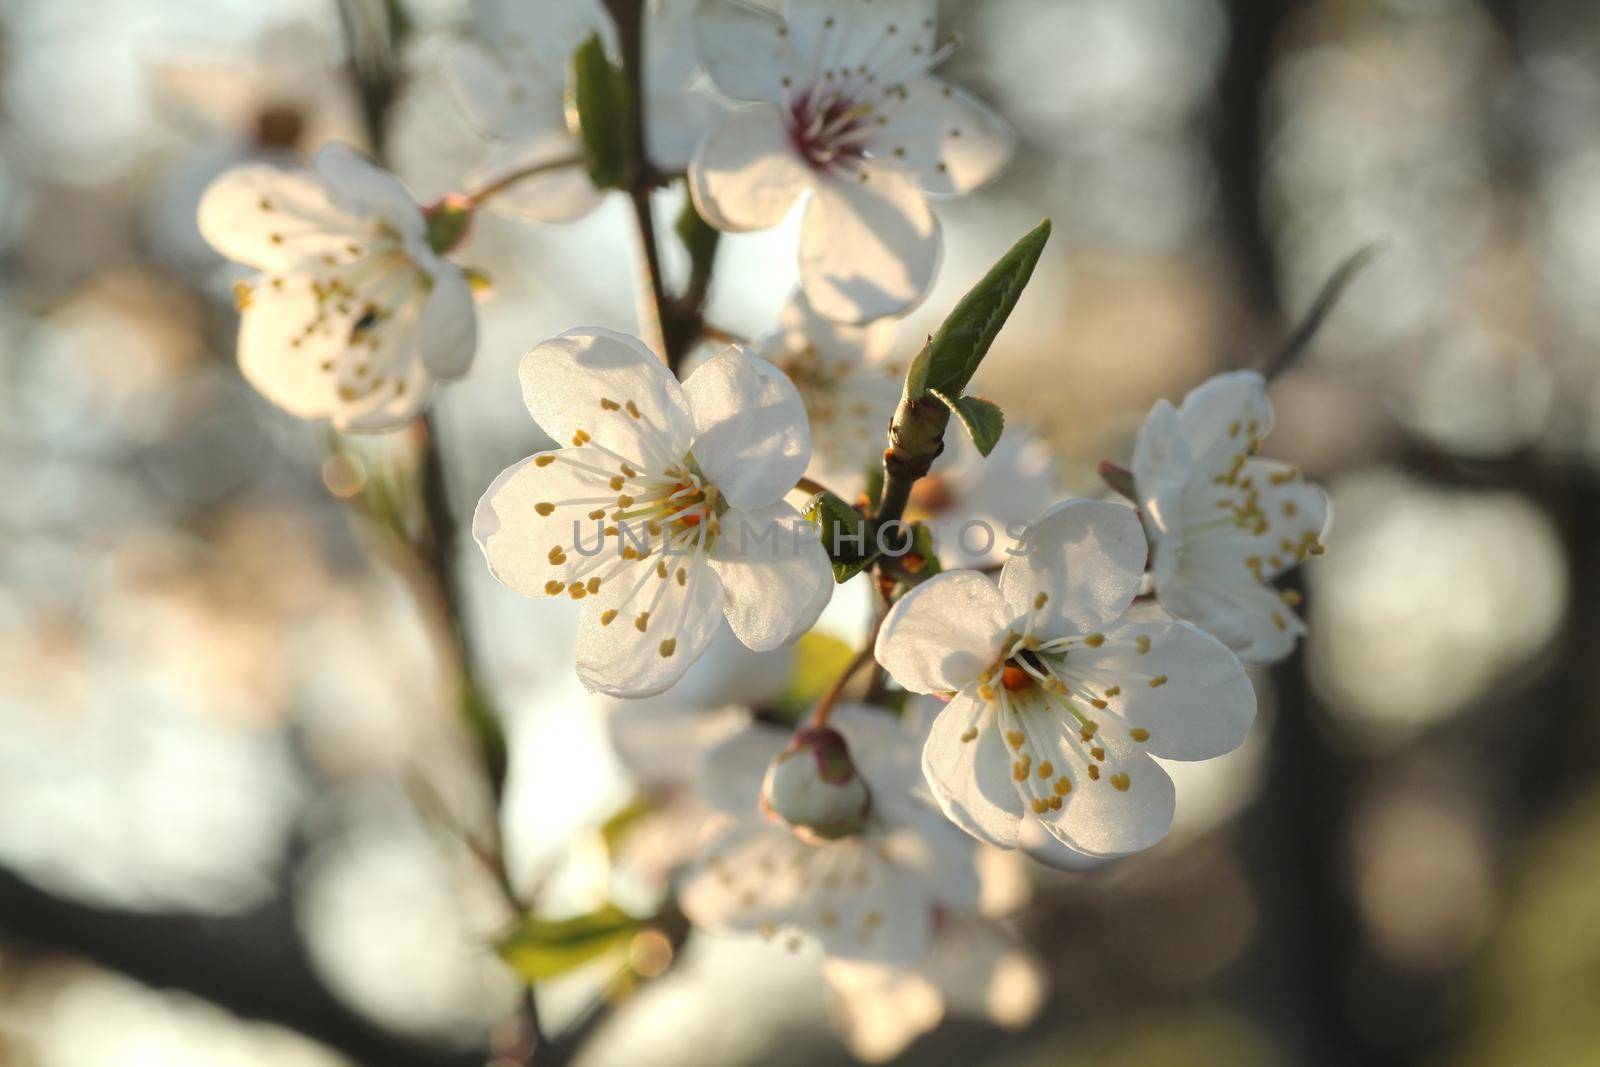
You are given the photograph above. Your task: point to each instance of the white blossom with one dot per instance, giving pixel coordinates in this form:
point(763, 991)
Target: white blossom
point(1224, 523)
point(512, 85)
point(979, 504)
point(842, 106)
point(849, 385)
point(874, 895)
point(352, 315)
point(1059, 702)
point(666, 511)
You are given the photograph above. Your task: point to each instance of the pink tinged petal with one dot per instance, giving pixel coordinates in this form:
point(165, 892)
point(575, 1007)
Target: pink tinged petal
point(563, 193)
point(968, 769)
point(775, 574)
point(1087, 559)
point(894, 38)
point(751, 436)
point(596, 384)
point(1125, 806)
point(868, 248)
point(948, 140)
point(942, 634)
point(1178, 692)
point(632, 654)
point(747, 174)
point(732, 771)
point(745, 50)
point(449, 325)
point(272, 219)
point(535, 526)
point(368, 189)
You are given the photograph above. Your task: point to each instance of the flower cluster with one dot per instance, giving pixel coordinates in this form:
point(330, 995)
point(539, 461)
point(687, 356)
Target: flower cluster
point(1064, 664)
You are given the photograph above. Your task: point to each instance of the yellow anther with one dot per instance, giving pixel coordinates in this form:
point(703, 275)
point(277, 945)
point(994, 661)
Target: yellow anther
point(557, 556)
point(597, 514)
point(543, 461)
point(610, 405)
point(1095, 640)
point(1158, 681)
point(1015, 738)
point(577, 591)
point(545, 508)
point(683, 576)
point(1046, 770)
point(1113, 690)
point(553, 587)
point(1143, 643)
point(633, 409)
point(1039, 805)
point(661, 569)
point(1278, 621)
point(1290, 509)
point(624, 501)
point(1094, 772)
point(1120, 782)
point(986, 693)
point(581, 438)
point(241, 296)
point(1291, 597)
point(594, 584)
point(608, 616)
point(1062, 787)
point(642, 622)
point(1040, 600)
point(617, 482)
point(1020, 769)
point(1099, 704)
point(668, 647)
point(1140, 734)
point(970, 734)
point(1234, 428)
point(629, 552)
point(1097, 752)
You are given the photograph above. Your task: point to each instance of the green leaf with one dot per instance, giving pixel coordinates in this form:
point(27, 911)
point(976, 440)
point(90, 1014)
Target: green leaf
point(955, 352)
point(540, 949)
point(844, 533)
point(700, 241)
point(819, 659)
point(601, 107)
point(982, 418)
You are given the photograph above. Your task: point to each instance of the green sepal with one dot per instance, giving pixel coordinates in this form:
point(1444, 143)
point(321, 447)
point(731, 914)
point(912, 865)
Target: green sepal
point(845, 537)
point(982, 418)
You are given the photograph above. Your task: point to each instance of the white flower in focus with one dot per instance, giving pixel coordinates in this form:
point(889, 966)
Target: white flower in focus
point(353, 316)
point(849, 385)
point(512, 86)
point(666, 512)
point(872, 895)
point(997, 495)
point(1222, 522)
point(1059, 702)
point(843, 107)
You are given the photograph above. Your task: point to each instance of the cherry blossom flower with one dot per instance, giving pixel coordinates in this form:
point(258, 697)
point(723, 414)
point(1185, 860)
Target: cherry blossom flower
point(872, 895)
point(666, 511)
point(993, 497)
point(848, 383)
point(842, 106)
point(512, 85)
point(352, 316)
point(1223, 523)
point(1059, 702)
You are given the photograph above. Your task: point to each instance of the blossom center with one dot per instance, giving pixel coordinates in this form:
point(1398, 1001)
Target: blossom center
point(828, 128)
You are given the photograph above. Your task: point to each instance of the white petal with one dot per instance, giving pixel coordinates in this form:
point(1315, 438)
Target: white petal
point(948, 140)
point(732, 771)
point(879, 1010)
point(1202, 709)
point(449, 325)
point(679, 121)
point(744, 49)
point(1162, 468)
point(519, 540)
point(367, 188)
point(622, 658)
point(799, 325)
point(926, 844)
point(985, 973)
point(893, 38)
point(886, 749)
point(1041, 846)
point(504, 102)
point(389, 409)
point(1246, 615)
point(943, 633)
point(274, 356)
point(775, 574)
point(751, 435)
point(562, 194)
point(971, 779)
point(271, 219)
point(1087, 557)
point(661, 745)
point(868, 248)
point(585, 379)
point(747, 174)
point(1098, 818)
point(1222, 414)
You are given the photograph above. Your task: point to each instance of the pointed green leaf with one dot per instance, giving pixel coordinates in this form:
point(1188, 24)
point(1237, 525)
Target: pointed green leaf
point(601, 109)
point(844, 533)
point(958, 348)
point(540, 949)
point(982, 418)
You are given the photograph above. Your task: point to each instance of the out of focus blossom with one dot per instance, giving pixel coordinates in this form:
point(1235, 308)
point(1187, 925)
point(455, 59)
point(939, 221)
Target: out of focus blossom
point(1224, 523)
point(353, 316)
point(977, 504)
point(842, 106)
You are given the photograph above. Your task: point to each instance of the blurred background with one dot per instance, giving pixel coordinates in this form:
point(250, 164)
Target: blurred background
point(218, 699)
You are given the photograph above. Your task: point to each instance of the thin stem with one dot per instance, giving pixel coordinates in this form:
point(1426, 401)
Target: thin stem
point(812, 486)
point(824, 708)
point(501, 184)
point(721, 336)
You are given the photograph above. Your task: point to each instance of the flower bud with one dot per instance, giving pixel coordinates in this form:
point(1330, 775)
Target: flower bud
point(449, 221)
point(814, 787)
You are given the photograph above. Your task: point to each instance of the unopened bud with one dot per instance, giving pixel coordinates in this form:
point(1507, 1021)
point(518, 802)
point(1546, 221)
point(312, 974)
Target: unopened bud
point(813, 785)
point(449, 221)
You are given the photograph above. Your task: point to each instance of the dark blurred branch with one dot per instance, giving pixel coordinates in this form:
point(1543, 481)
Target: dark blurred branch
point(253, 965)
point(1300, 340)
